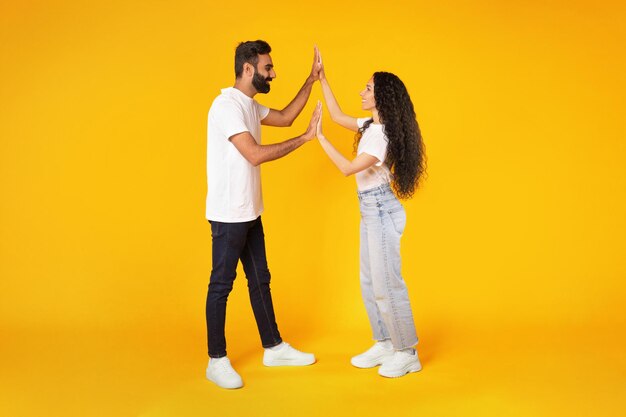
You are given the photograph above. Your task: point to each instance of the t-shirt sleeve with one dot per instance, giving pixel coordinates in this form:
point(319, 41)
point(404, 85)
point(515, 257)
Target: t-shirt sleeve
point(263, 111)
point(375, 145)
point(361, 121)
point(229, 117)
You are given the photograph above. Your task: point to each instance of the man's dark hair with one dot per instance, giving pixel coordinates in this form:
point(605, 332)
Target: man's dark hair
point(249, 52)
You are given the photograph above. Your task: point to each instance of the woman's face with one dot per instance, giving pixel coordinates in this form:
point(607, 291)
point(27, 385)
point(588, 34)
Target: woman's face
point(367, 96)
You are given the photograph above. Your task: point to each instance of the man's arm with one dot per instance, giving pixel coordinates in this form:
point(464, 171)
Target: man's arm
point(257, 154)
point(286, 116)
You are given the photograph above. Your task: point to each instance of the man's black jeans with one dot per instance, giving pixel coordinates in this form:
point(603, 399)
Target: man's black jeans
point(231, 242)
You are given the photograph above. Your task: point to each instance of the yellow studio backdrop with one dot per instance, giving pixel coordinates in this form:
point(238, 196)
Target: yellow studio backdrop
point(513, 252)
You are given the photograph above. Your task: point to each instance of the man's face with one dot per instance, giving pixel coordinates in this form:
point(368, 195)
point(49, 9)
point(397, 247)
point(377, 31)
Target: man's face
point(263, 74)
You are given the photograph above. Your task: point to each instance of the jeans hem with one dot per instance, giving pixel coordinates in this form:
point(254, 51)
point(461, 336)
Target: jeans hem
point(407, 346)
point(267, 346)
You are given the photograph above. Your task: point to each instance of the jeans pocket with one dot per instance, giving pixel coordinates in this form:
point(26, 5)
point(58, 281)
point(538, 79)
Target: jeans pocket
point(369, 202)
point(217, 229)
point(398, 219)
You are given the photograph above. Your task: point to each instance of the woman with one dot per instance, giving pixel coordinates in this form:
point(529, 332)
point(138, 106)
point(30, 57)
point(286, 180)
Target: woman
point(390, 158)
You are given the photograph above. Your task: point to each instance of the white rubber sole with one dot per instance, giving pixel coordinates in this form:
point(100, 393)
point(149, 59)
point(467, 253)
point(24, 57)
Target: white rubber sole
point(225, 386)
point(289, 362)
point(369, 364)
point(410, 368)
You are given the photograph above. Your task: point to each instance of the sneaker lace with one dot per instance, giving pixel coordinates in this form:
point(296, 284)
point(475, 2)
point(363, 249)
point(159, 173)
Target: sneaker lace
point(400, 357)
point(225, 367)
point(375, 349)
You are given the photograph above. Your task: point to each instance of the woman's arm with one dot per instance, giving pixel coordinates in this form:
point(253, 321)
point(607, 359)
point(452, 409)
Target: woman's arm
point(346, 166)
point(336, 114)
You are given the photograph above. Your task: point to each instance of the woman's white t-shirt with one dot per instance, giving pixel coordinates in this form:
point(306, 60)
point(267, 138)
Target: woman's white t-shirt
point(373, 142)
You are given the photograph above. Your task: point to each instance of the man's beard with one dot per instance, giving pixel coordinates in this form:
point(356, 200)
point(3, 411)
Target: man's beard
point(261, 83)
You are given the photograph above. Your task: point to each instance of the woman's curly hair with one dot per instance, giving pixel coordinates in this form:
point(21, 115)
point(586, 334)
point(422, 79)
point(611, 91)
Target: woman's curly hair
point(405, 150)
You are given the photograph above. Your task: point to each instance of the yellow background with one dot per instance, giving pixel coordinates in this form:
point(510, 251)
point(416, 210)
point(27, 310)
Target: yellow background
point(513, 252)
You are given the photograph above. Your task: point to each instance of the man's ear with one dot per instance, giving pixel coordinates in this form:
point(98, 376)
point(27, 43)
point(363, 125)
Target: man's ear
point(248, 69)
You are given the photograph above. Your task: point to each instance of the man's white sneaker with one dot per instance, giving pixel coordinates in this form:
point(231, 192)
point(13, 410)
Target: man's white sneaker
point(401, 363)
point(372, 357)
point(285, 355)
point(222, 373)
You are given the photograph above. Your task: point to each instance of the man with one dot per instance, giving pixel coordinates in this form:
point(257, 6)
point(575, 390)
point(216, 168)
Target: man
point(235, 203)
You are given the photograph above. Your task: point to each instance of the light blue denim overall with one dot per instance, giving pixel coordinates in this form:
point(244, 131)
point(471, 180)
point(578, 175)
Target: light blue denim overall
point(384, 292)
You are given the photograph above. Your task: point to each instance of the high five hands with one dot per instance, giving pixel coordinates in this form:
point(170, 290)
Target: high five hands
point(318, 127)
point(317, 70)
point(312, 129)
point(317, 74)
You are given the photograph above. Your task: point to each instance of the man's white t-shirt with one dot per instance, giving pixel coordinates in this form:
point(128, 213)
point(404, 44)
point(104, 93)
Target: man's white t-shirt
point(373, 142)
point(234, 185)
